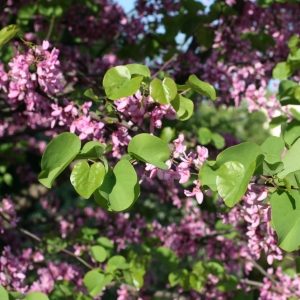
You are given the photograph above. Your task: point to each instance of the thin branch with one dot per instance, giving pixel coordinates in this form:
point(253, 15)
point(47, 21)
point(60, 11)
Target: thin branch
point(50, 28)
point(164, 65)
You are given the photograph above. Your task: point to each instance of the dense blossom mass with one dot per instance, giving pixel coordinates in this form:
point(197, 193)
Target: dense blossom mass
point(51, 77)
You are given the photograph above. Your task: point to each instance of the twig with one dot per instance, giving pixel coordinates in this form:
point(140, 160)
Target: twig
point(164, 65)
point(50, 27)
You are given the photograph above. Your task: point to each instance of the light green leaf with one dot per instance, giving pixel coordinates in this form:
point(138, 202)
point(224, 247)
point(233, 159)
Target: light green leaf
point(57, 156)
point(292, 132)
point(282, 70)
point(94, 282)
point(98, 253)
point(91, 150)
point(176, 276)
point(218, 140)
point(163, 92)
point(137, 279)
point(36, 296)
point(86, 179)
point(201, 87)
point(119, 262)
point(184, 107)
point(90, 94)
point(196, 283)
point(244, 153)
point(137, 69)
point(7, 33)
point(150, 149)
point(117, 83)
point(286, 219)
point(204, 135)
point(3, 293)
point(167, 134)
point(232, 181)
point(120, 188)
point(290, 163)
point(208, 176)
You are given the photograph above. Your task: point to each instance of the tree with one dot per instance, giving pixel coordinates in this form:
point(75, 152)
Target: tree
point(134, 166)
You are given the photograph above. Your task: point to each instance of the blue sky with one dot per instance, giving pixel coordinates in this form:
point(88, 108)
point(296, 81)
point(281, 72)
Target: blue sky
point(126, 4)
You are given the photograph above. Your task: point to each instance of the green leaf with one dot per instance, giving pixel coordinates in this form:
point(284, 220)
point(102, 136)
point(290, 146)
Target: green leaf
point(242, 295)
point(57, 156)
point(150, 149)
point(137, 69)
point(167, 134)
point(94, 282)
point(121, 181)
point(119, 262)
point(273, 145)
point(7, 33)
point(244, 153)
point(90, 94)
point(105, 242)
point(204, 136)
point(163, 92)
point(184, 107)
point(91, 150)
point(55, 244)
point(286, 92)
point(215, 268)
point(8, 179)
point(3, 293)
point(201, 87)
point(229, 284)
point(167, 257)
point(278, 121)
point(36, 296)
point(290, 163)
point(286, 219)
point(282, 71)
point(292, 132)
point(15, 296)
point(208, 176)
point(137, 279)
point(117, 83)
point(86, 179)
point(232, 181)
point(195, 282)
point(218, 140)
point(176, 276)
point(98, 253)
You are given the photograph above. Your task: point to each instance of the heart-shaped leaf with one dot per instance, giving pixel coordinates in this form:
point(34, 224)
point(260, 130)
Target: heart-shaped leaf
point(137, 69)
point(184, 107)
point(120, 188)
point(91, 150)
point(232, 181)
point(118, 83)
point(150, 149)
point(163, 92)
point(86, 179)
point(57, 156)
point(286, 218)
